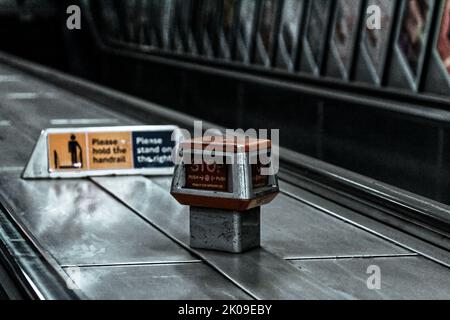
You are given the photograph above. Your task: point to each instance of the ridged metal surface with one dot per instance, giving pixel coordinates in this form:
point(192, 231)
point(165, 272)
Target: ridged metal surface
point(193, 281)
point(401, 278)
point(80, 224)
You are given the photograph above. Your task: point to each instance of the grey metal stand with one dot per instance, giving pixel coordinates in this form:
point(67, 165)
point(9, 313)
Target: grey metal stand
point(225, 230)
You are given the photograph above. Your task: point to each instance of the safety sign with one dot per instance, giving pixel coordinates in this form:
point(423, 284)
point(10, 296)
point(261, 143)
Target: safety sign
point(81, 152)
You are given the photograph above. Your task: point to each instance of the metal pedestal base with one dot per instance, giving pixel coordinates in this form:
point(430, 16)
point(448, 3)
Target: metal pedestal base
point(225, 230)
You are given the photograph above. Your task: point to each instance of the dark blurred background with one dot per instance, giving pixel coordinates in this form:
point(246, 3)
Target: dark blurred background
point(36, 30)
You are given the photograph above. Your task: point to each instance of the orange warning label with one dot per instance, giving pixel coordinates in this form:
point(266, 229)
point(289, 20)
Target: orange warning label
point(67, 151)
point(110, 150)
point(95, 150)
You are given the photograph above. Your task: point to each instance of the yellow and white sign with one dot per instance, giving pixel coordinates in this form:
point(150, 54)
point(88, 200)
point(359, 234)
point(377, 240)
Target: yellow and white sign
point(67, 151)
point(110, 150)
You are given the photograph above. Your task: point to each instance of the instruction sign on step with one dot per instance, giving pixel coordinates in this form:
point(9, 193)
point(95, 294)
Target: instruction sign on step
point(84, 152)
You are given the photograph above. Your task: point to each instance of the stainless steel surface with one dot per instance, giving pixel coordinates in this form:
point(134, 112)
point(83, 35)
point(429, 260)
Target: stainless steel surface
point(11, 169)
point(8, 289)
point(166, 281)
point(163, 182)
point(15, 147)
point(80, 224)
point(378, 228)
point(373, 187)
point(5, 78)
point(38, 165)
point(6, 70)
point(260, 272)
point(151, 201)
point(30, 95)
point(36, 115)
point(401, 277)
point(291, 228)
point(266, 276)
point(41, 112)
point(34, 271)
point(224, 230)
point(69, 122)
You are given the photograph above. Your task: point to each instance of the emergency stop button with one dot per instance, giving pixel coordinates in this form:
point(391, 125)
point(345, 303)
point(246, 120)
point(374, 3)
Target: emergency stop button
point(225, 181)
